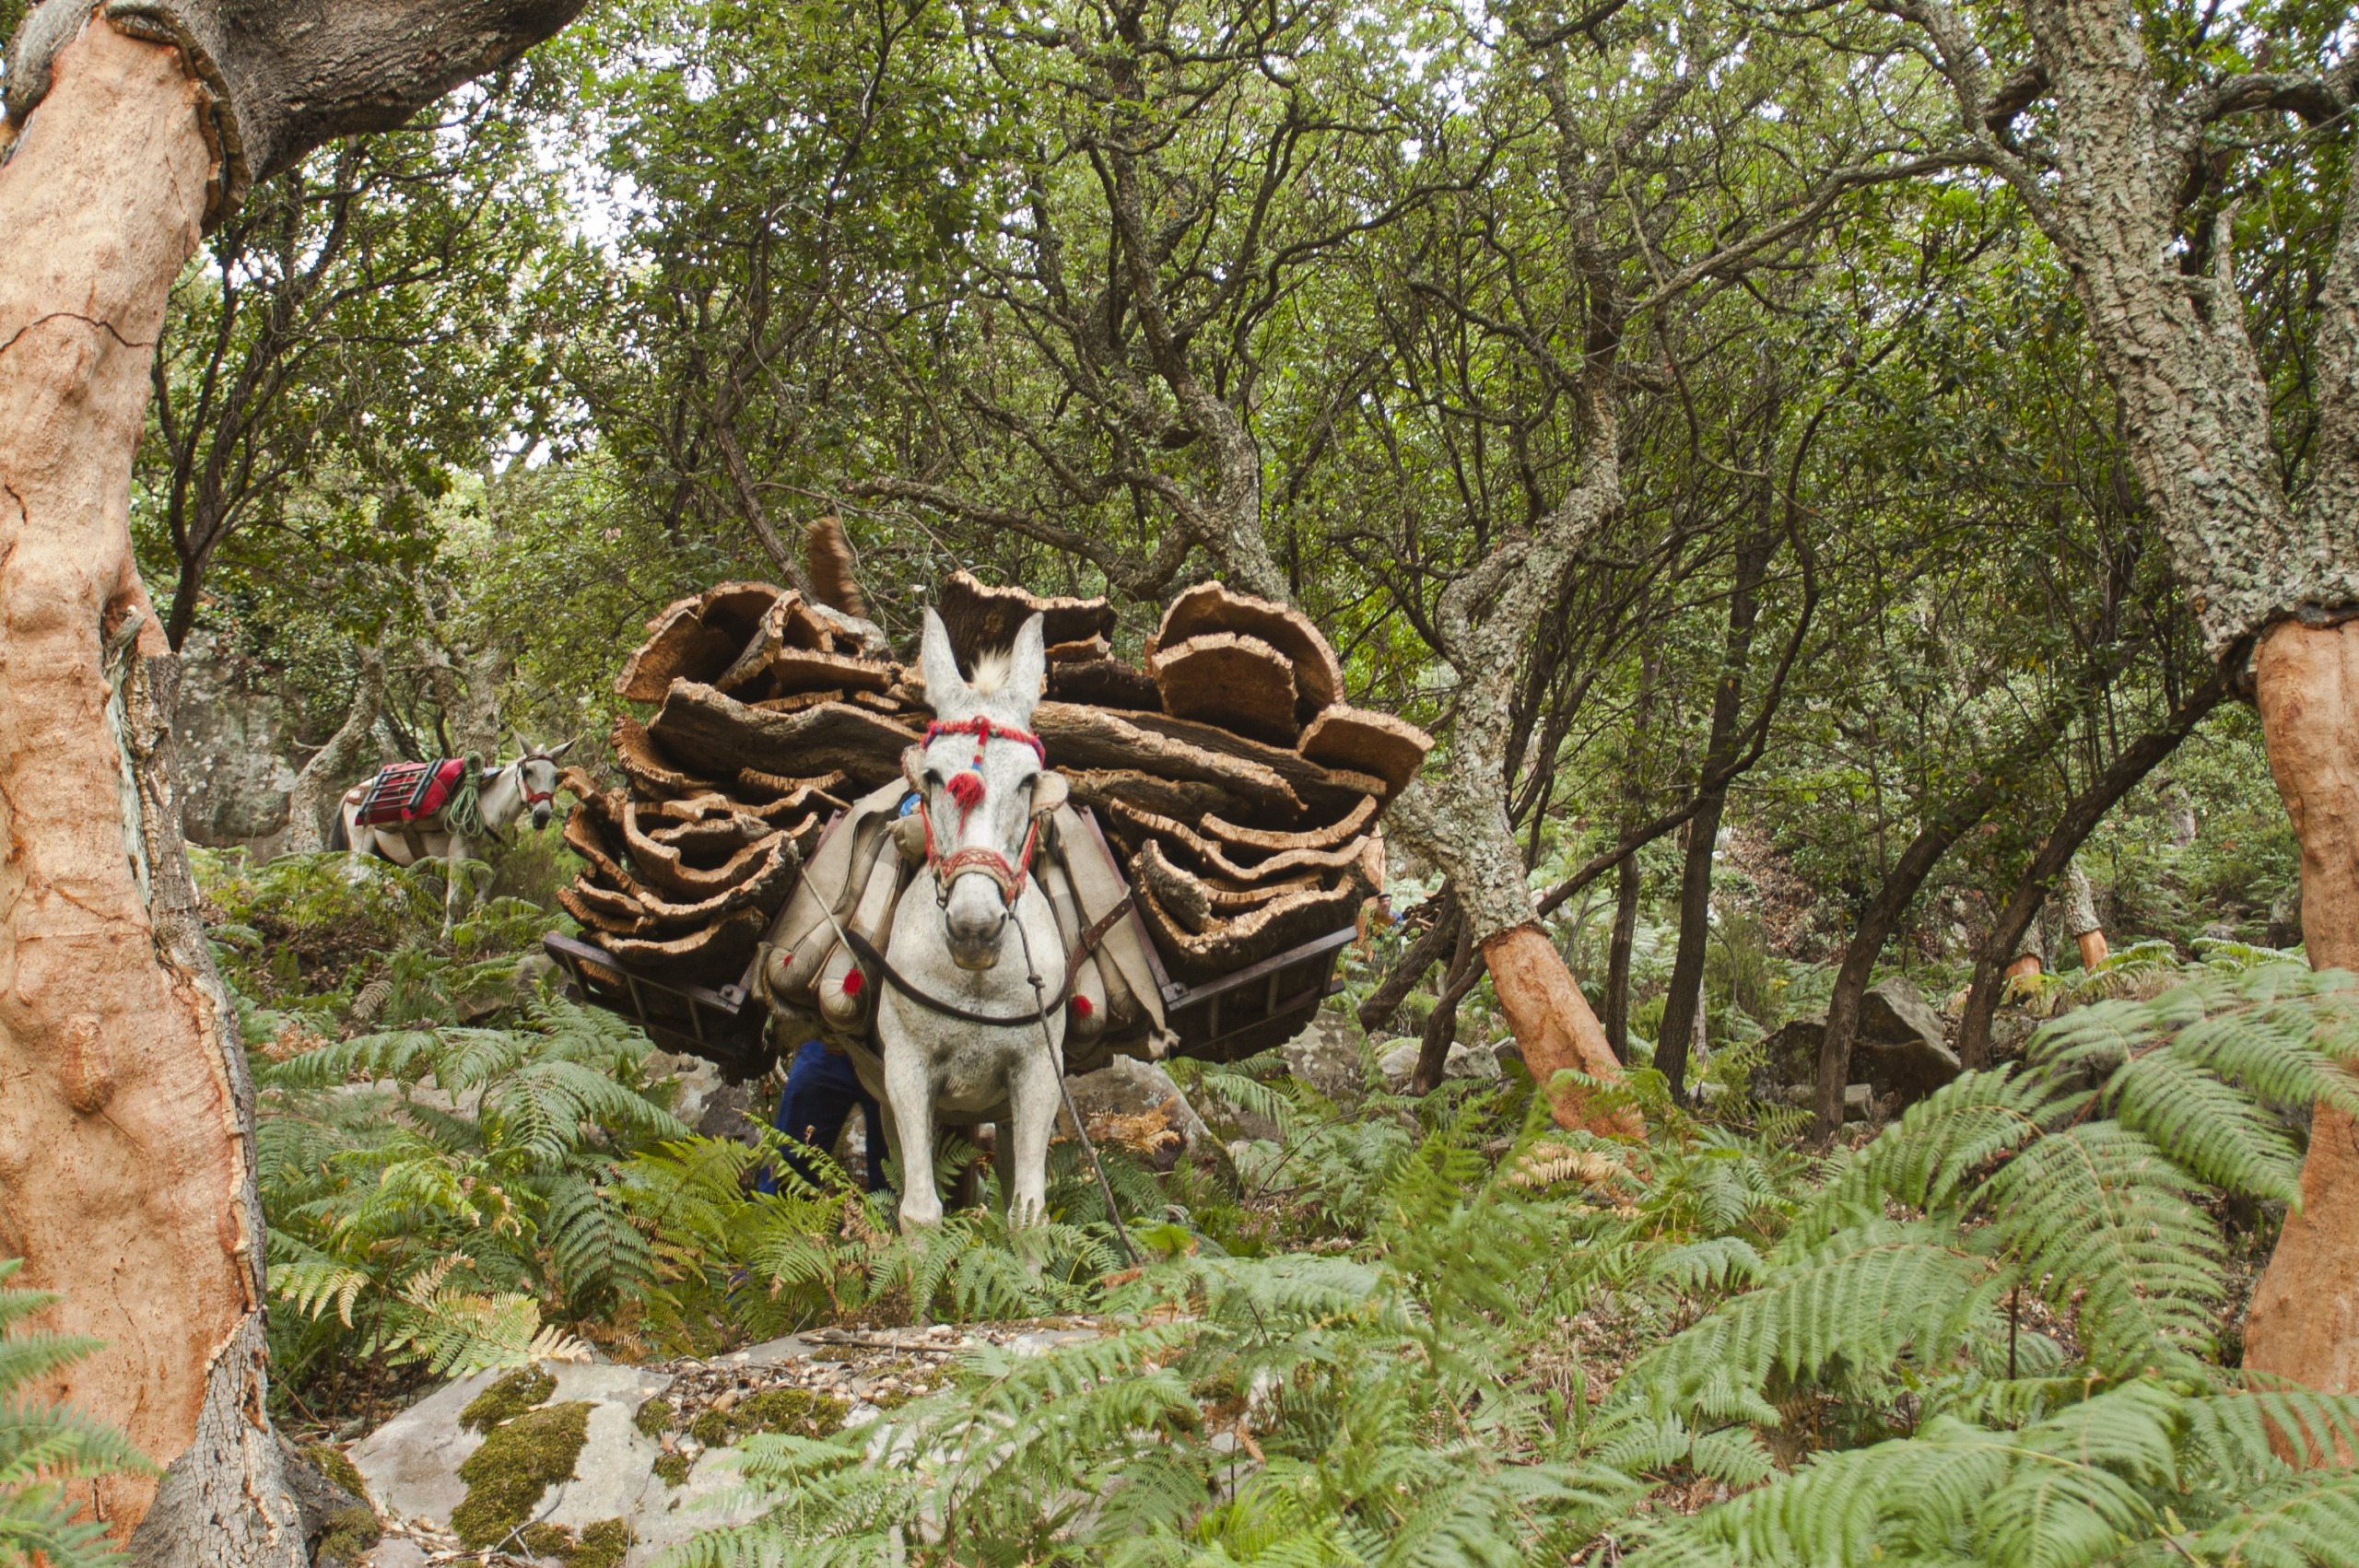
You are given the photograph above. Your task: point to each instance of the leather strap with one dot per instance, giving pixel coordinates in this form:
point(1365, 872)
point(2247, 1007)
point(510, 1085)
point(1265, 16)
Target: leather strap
point(865, 951)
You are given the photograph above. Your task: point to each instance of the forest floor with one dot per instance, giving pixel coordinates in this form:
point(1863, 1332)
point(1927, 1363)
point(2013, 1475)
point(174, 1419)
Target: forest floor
point(1351, 1298)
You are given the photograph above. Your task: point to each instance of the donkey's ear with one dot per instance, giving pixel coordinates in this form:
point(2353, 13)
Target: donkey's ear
point(563, 747)
point(1028, 663)
point(946, 691)
point(523, 747)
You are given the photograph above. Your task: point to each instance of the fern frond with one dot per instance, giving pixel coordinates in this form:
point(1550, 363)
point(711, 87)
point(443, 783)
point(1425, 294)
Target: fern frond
point(2106, 1226)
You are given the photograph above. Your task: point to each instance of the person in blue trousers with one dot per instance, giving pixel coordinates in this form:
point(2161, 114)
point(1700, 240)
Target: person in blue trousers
point(821, 1091)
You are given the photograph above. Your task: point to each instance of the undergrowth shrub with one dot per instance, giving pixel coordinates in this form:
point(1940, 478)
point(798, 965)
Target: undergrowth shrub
point(1992, 1335)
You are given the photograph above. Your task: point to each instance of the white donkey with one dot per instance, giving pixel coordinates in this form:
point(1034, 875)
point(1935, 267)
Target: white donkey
point(974, 953)
point(506, 794)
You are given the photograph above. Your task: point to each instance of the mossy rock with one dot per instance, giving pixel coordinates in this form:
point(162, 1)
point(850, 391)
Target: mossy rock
point(517, 1464)
point(350, 1532)
point(712, 1429)
point(796, 1412)
point(506, 1399)
point(602, 1545)
point(332, 1463)
point(653, 1417)
point(673, 1469)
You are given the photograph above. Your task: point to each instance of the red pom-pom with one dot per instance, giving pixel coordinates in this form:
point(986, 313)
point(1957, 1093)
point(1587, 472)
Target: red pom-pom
point(853, 981)
point(1081, 1007)
point(966, 788)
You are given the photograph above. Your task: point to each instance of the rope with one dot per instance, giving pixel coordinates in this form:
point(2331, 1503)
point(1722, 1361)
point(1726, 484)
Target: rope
point(463, 813)
point(1057, 1070)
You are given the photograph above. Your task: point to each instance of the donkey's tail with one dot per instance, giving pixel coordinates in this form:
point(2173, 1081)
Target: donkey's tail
point(338, 837)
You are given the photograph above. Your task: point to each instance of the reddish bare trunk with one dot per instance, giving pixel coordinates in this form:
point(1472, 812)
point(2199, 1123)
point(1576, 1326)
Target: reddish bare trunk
point(1554, 1025)
point(125, 1180)
point(2305, 1319)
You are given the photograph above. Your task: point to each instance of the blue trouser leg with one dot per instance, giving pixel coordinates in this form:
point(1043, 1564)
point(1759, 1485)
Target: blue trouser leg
point(821, 1090)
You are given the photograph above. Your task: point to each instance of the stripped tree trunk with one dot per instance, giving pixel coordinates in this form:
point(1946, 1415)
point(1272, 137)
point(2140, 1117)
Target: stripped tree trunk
point(127, 1157)
point(2305, 1318)
point(1457, 812)
point(2273, 581)
point(127, 1174)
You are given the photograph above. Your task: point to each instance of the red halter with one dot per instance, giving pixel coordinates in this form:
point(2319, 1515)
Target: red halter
point(966, 787)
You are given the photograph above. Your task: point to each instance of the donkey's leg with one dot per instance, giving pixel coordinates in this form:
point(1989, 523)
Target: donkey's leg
point(1033, 1103)
point(908, 1085)
point(454, 880)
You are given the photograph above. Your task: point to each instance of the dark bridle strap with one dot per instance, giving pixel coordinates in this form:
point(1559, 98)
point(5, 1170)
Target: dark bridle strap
point(1083, 945)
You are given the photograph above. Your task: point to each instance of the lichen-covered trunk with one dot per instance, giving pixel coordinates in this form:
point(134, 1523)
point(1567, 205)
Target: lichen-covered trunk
point(126, 1155)
point(1457, 813)
point(2305, 1319)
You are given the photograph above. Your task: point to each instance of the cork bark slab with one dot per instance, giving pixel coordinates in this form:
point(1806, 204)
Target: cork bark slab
point(1090, 738)
point(716, 955)
point(1105, 683)
point(1135, 827)
point(789, 628)
point(1362, 741)
point(1086, 651)
point(649, 770)
point(667, 869)
point(1327, 794)
point(1226, 678)
point(697, 639)
point(1271, 841)
point(981, 619)
point(708, 729)
point(1184, 799)
point(778, 786)
point(797, 670)
point(1226, 946)
point(1212, 607)
point(1196, 903)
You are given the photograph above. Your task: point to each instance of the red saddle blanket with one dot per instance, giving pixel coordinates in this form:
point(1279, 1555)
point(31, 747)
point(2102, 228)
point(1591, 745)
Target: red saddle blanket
point(409, 790)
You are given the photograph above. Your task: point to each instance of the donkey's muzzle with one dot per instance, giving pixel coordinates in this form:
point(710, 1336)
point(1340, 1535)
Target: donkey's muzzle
point(974, 921)
point(540, 816)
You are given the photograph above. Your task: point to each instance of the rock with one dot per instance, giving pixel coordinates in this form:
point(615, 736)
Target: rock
point(1896, 1012)
point(1901, 1049)
point(1506, 1051)
point(411, 1463)
point(394, 1551)
point(1326, 1055)
point(726, 1114)
point(1127, 1088)
point(1790, 1055)
point(231, 741)
point(1470, 1061)
point(1858, 1100)
point(1462, 1060)
point(1909, 1071)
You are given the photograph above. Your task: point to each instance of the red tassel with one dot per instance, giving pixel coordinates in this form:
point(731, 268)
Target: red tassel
point(1081, 1007)
point(853, 981)
point(966, 788)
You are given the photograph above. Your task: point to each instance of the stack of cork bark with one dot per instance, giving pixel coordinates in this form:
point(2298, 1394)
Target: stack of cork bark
point(1240, 790)
point(775, 711)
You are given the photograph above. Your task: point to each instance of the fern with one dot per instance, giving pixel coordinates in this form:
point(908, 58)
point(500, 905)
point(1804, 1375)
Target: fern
point(43, 1445)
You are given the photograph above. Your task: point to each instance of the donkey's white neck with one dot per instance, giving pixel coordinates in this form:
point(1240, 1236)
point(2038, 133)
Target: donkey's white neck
point(501, 798)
